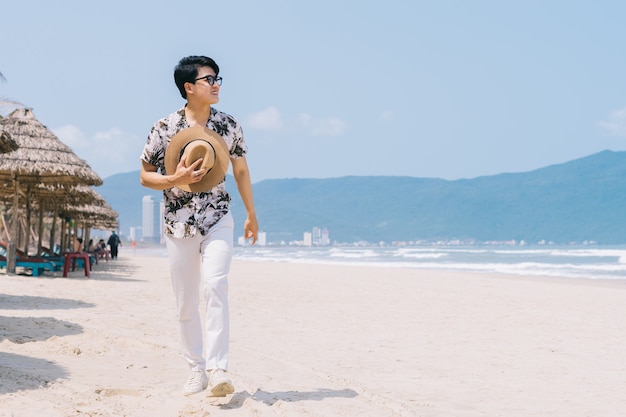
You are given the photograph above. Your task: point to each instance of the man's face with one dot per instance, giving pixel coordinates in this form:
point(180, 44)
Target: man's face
point(202, 91)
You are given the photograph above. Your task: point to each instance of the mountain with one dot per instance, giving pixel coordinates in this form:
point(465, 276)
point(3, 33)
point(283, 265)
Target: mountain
point(580, 200)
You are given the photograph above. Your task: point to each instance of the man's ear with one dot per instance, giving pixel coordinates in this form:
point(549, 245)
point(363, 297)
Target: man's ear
point(188, 87)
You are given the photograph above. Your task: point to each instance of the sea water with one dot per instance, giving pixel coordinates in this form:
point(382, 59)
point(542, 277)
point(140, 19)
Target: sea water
point(592, 262)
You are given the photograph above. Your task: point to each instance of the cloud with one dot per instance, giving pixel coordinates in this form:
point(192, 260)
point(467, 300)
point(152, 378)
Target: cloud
point(330, 126)
point(108, 152)
point(271, 119)
point(616, 123)
point(72, 137)
point(268, 119)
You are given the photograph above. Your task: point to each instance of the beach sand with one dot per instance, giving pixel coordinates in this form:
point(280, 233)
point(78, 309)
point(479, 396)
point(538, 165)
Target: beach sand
point(317, 340)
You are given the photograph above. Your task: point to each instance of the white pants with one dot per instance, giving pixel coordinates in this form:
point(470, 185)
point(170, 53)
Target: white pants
point(203, 260)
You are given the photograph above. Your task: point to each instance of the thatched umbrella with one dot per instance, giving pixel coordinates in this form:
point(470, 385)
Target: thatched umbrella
point(40, 159)
point(85, 206)
point(80, 203)
point(95, 215)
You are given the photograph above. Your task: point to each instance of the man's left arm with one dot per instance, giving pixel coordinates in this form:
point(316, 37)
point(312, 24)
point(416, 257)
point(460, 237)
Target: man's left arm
point(244, 185)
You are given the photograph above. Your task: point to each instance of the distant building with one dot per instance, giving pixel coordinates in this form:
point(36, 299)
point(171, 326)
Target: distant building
point(325, 237)
point(316, 236)
point(136, 234)
point(320, 237)
point(151, 220)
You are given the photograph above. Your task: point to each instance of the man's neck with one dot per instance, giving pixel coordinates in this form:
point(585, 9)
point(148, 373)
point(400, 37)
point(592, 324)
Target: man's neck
point(197, 114)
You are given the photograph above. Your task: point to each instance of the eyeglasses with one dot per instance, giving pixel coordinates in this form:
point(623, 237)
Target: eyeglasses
point(210, 79)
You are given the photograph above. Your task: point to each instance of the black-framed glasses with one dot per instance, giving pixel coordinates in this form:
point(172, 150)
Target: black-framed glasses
point(210, 79)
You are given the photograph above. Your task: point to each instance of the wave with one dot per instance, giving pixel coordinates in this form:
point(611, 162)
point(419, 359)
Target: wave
point(591, 263)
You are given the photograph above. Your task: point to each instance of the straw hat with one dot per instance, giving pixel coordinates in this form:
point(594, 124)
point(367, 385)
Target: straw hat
point(194, 143)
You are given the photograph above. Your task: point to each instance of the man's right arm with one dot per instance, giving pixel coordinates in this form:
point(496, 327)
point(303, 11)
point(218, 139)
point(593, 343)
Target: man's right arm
point(150, 178)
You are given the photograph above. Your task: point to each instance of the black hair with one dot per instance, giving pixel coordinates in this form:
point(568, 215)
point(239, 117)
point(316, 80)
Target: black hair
point(187, 71)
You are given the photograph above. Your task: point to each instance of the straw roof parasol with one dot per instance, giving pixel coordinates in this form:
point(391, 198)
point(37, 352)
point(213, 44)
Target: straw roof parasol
point(7, 144)
point(41, 156)
point(82, 202)
point(96, 216)
point(85, 205)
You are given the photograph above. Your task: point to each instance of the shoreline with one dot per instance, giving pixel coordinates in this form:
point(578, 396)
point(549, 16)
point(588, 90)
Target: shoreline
point(317, 340)
point(604, 264)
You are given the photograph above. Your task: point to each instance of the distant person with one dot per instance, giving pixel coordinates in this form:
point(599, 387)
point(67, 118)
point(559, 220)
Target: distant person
point(91, 248)
point(100, 248)
point(113, 242)
point(198, 222)
point(78, 244)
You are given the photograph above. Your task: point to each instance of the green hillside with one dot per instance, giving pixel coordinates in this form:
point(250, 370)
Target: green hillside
point(576, 201)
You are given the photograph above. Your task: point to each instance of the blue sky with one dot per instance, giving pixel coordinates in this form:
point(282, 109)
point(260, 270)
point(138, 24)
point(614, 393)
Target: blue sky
point(447, 89)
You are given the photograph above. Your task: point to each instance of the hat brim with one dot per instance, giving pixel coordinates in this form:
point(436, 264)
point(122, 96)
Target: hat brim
point(216, 174)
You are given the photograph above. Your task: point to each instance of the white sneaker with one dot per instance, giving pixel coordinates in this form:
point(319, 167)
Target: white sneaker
point(196, 382)
point(220, 383)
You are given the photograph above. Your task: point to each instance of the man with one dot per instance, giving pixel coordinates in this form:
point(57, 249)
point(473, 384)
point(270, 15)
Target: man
point(199, 224)
point(113, 242)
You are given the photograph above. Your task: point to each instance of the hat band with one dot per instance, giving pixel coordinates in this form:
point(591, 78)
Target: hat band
point(182, 151)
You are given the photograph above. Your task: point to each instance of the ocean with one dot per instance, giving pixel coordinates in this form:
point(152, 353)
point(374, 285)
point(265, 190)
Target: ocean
point(588, 262)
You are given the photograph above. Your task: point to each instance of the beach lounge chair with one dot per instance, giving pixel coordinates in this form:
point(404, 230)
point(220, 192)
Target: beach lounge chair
point(36, 265)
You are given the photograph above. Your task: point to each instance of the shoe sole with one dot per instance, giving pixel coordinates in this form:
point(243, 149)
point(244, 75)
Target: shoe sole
point(222, 389)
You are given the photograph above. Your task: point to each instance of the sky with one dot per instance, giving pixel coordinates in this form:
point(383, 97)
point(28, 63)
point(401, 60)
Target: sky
point(440, 89)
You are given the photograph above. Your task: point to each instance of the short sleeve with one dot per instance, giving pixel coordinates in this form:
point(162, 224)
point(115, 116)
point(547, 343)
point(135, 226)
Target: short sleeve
point(154, 149)
point(239, 147)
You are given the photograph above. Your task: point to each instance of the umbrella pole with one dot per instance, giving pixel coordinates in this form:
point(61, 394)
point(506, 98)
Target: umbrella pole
point(40, 234)
point(27, 226)
point(63, 232)
point(5, 227)
point(11, 254)
point(75, 234)
point(87, 233)
point(53, 229)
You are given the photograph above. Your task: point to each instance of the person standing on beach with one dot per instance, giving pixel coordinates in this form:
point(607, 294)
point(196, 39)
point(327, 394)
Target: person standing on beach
point(113, 242)
point(198, 222)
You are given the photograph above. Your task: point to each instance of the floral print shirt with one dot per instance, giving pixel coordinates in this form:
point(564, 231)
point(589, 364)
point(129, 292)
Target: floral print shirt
point(186, 213)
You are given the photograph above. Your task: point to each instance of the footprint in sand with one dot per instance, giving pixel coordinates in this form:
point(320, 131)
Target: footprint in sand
point(113, 392)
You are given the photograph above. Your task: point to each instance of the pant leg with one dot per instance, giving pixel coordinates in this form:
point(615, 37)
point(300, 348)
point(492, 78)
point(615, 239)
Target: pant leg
point(185, 272)
point(217, 253)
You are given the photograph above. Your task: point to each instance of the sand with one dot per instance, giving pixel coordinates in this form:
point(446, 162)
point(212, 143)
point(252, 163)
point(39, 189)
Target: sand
point(317, 340)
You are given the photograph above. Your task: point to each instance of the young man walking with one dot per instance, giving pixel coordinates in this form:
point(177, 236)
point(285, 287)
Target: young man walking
point(186, 155)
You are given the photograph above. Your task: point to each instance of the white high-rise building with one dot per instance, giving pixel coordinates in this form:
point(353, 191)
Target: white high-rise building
point(135, 234)
point(150, 220)
point(262, 239)
point(308, 240)
point(325, 237)
point(320, 237)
